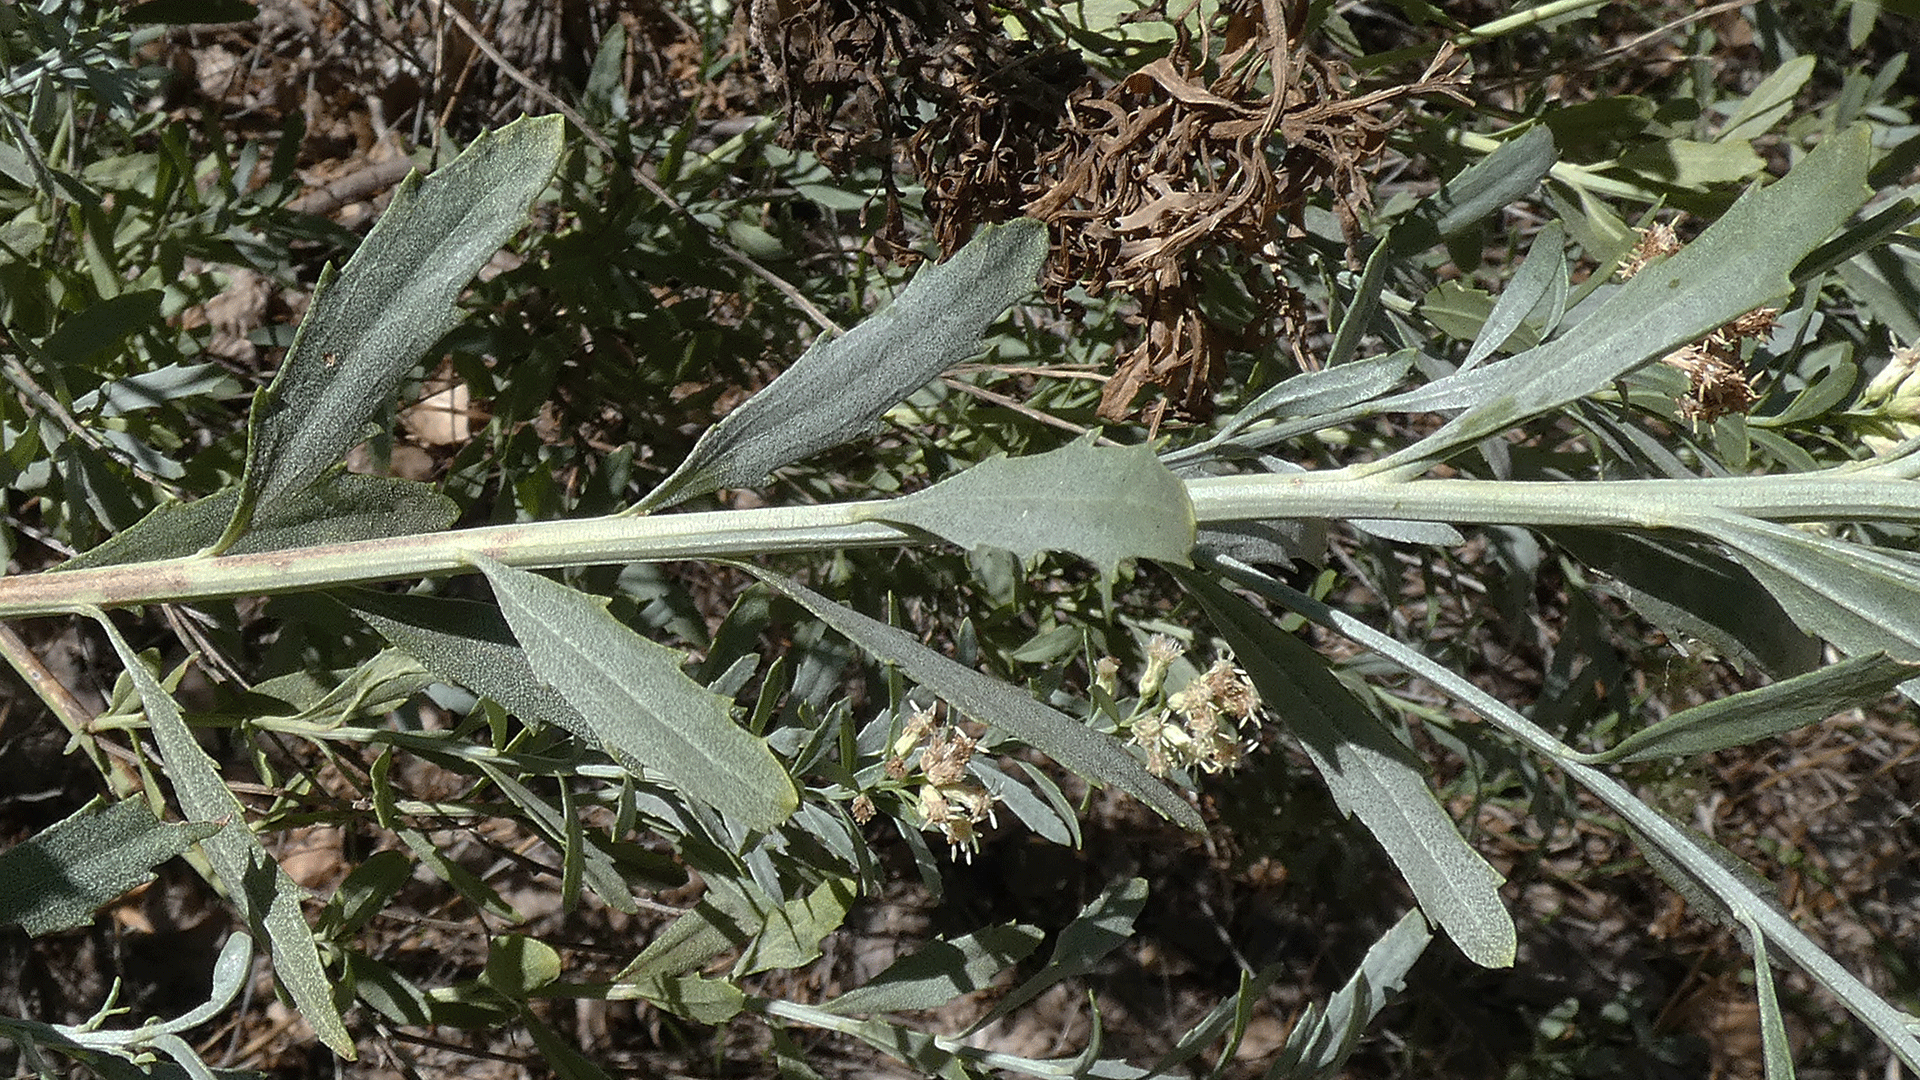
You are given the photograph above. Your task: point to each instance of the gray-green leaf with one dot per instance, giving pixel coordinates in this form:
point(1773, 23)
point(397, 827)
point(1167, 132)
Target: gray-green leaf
point(623, 681)
point(1754, 715)
point(54, 880)
point(940, 971)
point(394, 298)
point(1371, 776)
point(1102, 503)
point(265, 895)
point(841, 386)
point(1740, 263)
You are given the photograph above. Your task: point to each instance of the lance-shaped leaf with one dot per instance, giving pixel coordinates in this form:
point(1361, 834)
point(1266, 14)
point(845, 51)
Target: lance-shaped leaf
point(267, 898)
point(1371, 775)
point(470, 644)
point(1102, 503)
point(373, 320)
point(841, 386)
point(335, 509)
point(54, 880)
point(1102, 926)
point(1770, 710)
point(1740, 263)
point(1074, 745)
point(1862, 599)
point(941, 971)
point(677, 727)
point(1731, 891)
point(1321, 1042)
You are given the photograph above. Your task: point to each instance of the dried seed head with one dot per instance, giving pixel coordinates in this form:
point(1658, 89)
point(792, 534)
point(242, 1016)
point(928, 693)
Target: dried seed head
point(1656, 242)
point(862, 809)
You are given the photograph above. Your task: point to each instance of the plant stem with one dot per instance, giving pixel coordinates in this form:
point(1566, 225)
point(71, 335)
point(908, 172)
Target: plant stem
point(1845, 494)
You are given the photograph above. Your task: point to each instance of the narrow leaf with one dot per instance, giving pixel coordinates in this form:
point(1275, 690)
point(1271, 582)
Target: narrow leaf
point(1486, 187)
point(1102, 926)
point(335, 509)
point(1104, 504)
point(1740, 263)
point(1074, 745)
point(373, 320)
point(635, 689)
point(55, 879)
point(1756, 714)
point(1320, 1048)
point(1545, 265)
point(1864, 600)
point(1371, 776)
point(265, 895)
point(1774, 1047)
point(841, 386)
point(1732, 891)
point(1768, 102)
point(941, 971)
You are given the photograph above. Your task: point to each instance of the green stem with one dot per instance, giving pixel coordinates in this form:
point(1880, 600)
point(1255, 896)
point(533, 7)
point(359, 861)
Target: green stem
point(1845, 494)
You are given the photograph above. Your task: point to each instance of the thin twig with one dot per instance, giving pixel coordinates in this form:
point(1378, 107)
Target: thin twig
point(780, 284)
point(23, 381)
point(1021, 407)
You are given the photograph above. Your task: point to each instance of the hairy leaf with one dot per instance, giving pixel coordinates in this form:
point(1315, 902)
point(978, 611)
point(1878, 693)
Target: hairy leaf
point(841, 386)
point(371, 322)
point(620, 680)
point(1104, 504)
point(54, 880)
point(265, 895)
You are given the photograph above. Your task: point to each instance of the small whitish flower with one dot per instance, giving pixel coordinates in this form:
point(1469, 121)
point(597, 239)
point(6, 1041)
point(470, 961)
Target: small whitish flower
point(954, 810)
point(862, 809)
point(933, 806)
point(1106, 674)
point(917, 727)
point(1892, 401)
point(1232, 691)
point(1895, 391)
point(944, 761)
point(1203, 721)
point(1162, 651)
point(962, 839)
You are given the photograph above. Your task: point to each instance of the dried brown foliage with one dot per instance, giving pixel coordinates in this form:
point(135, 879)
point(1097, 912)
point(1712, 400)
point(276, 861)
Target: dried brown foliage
point(1208, 155)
